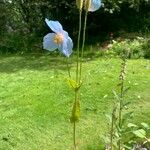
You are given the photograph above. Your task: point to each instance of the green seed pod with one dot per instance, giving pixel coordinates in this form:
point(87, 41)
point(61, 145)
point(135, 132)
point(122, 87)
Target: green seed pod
point(79, 4)
point(75, 112)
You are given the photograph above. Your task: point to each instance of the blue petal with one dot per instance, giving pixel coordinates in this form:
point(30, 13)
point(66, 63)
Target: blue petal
point(65, 33)
point(54, 25)
point(66, 46)
point(95, 5)
point(48, 42)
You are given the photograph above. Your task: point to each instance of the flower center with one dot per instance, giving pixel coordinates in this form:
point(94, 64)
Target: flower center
point(58, 38)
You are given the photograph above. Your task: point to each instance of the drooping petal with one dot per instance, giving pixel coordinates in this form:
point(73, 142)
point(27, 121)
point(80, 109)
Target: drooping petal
point(54, 25)
point(66, 46)
point(48, 42)
point(95, 5)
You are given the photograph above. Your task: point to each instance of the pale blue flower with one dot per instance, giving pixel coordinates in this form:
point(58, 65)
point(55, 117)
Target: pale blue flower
point(58, 40)
point(94, 5)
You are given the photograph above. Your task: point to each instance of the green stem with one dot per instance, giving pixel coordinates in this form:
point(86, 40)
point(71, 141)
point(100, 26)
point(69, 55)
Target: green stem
point(120, 105)
point(78, 45)
point(120, 111)
point(74, 135)
point(77, 74)
point(83, 44)
point(68, 68)
point(112, 129)
point(74, 123)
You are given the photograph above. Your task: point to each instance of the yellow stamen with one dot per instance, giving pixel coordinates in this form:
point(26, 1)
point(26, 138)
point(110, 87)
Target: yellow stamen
point(58, 38)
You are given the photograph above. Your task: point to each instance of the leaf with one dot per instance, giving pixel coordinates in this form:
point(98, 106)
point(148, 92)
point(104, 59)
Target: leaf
point(126, 90)
point(130, 125)
point(75, 112)
point(140, 133)
point(109, 117)
point(145, 125)
point(73, 84)
point(126, 117)
point(116, 96)
point(126, 104)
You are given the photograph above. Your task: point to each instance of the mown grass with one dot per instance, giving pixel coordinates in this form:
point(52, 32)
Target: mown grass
point(35, 100)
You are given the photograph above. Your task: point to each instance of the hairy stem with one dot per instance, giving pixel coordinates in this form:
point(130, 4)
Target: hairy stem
point(83, 44)
point(74, 123)
point(74, 135)
point(77, 74)
point(68, 68)
point(78, 45)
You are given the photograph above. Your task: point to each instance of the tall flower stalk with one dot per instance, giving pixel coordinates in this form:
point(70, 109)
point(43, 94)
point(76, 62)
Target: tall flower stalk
point(76, 106)
point(83, 44)
point(60, 40)
point(88, 5)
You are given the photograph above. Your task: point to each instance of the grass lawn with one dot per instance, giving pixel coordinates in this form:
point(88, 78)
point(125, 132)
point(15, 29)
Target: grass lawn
point(35, 101)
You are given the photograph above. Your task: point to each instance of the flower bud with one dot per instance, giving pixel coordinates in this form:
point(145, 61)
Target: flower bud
point(87, 4)
point(79, 4)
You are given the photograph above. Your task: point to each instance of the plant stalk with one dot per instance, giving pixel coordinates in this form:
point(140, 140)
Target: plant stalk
point(122, 77)
point(77, 74)
point(78, 45)
point(74, 123)
point(83, 44)
point(68, 68)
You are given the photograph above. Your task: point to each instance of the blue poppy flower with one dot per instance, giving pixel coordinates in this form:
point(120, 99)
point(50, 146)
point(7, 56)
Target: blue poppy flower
point(94, 5)
point(58, 40)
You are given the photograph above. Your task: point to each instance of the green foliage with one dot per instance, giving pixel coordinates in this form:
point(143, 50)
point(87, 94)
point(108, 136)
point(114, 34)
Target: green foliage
point(17, 43)
point(138, 134)
point(3, 15)
point(26, 18)
point(138, 47)
point(146, 48)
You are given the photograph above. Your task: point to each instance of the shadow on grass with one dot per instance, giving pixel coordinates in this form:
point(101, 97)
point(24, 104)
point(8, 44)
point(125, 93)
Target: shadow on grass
point(95, 146)
point(14, 63)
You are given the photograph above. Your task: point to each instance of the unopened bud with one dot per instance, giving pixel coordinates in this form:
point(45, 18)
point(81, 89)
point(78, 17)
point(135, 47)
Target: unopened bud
point(87, 4)
point(79, 4)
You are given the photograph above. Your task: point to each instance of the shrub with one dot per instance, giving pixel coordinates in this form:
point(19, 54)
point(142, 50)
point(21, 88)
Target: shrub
point(17, 43)
point(146, 48)
point(137, 47)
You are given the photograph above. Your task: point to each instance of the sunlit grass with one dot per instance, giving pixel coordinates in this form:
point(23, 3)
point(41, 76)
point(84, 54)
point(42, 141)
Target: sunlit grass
point(35, 100)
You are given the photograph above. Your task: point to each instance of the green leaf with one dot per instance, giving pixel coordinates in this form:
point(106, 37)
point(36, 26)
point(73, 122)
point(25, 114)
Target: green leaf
point(126, 117)
point(75, 112)
point(73, 84)
point(140, 133)
point(145, 125)
point(116, 95)
point(130, 125)
point(109, 118)
point(126, 90)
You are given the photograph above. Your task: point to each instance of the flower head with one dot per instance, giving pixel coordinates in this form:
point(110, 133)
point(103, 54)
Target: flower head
point(58, 40)
point(79, 4)
point(92, 5)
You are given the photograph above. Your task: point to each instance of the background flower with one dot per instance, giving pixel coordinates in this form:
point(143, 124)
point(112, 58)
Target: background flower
point(93, 5)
